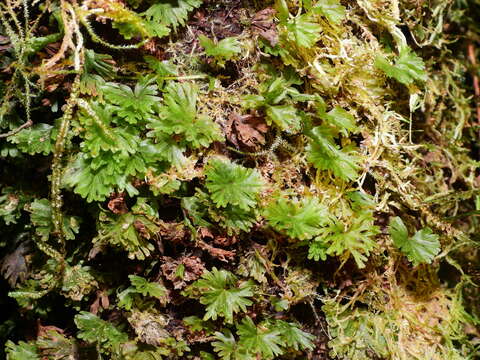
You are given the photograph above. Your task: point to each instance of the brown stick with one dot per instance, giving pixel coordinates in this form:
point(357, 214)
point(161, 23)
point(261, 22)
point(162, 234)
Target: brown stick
point(17, 130)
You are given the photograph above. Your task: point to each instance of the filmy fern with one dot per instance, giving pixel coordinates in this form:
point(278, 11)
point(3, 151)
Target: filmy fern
point(21, 351)
point(97, 331)
point(325, 154)
point(140, 286)
point(331, 9)
point(298, 219)
point(420, 248)
point(178, 116)
point(232, 184)
point(221, 51)
point(222, 293)
point(408, 67)
point(130, 231)
point(133, 104)
point(267, 340)
point(204, 212)
point(356, 239)
point(41, 217)
point(303, 31)
point(35, 140)
point(262, 341)
point(162, 16)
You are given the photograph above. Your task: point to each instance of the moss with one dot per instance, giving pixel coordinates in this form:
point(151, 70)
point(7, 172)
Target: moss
point(348, 179)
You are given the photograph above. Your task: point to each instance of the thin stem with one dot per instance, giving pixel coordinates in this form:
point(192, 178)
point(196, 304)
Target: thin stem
point(185, 77)
point(27, 124)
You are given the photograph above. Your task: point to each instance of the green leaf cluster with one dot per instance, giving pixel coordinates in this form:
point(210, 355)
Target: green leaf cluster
point(223, 50)
point(130, 232)
point(41, 217)
point(232, 184)
point(356, 239)
point(35, 140)
point(222, 293)
point(421, 248)
point(140, 286)
point(408, 67)
point(94, 330)
point(299, 219)
point(324, 153)
point(178, 118)
point(267, 340)
point(277, 96)
point(161, 17)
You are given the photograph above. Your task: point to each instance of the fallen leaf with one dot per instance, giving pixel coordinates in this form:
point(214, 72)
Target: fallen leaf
point(225, 240)
point(193, 268)
point(264, 25)
point(14, 266)
point(220, 254)
point(246, 130)
point(117, 204)
point(173, 232)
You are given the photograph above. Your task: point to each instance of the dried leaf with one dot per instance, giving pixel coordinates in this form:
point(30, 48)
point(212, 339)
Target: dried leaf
point(264, 25)
point(14, 266)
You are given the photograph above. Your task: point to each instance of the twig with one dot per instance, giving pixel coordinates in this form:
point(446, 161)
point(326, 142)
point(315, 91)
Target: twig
point(27, 124)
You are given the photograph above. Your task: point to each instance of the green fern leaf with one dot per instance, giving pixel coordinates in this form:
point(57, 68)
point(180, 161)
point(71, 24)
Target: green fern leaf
point(146, 288)
point(99, 63)
point(407, 68)
point(342, 119)
point(167, 148)
point(94, 330)
point(95, 179)
point(293, 336)
point(78, 282)
point(129, 231)
point(56, 346)
point(133, 104)
point(303, 31)
point(225, 345)
point(324, 154)
point(422, 247)
point(41, 217)
point(12, 203)
point(34, 140)
point(331, 9)
point(260, 341)
point(232, 184)
point(100, 136)
point(22, 351)
point(234, 218)
point(222, 51)
point(220, 291)
point(285, 117)
point(178, 116)
point(318, 250)
point(171, 13)
point(356, 239)
point(298, 219)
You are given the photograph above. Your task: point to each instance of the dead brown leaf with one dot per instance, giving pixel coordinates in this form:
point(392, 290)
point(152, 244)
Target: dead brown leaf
point(220, 254)
point(193, 269)
point(117, 204)
point(263, 25)
point(42, 331)
point(13, 266)
point(101, 301)
point(173, 232)
point(246, 130)
point(205, 233)
point(225, 240)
